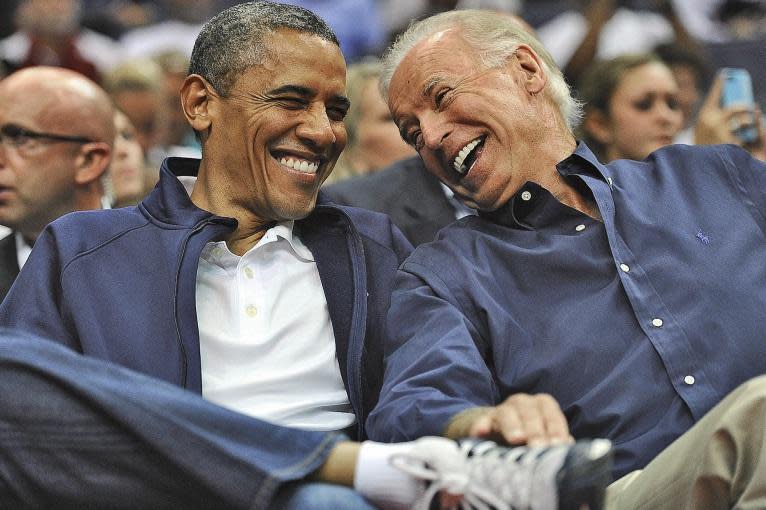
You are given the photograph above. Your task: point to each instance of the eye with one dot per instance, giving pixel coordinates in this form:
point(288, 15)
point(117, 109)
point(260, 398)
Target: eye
point(644, 104)
point(293, 103)
point(337, 113)
point(439, 97)
point(673, 103)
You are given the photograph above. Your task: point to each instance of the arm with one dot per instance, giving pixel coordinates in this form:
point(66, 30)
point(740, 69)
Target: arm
point(597, 14)
point(438, 378)
point(434, 369)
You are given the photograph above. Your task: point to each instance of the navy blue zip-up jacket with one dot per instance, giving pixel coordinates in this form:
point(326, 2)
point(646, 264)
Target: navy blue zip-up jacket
point(119, 285)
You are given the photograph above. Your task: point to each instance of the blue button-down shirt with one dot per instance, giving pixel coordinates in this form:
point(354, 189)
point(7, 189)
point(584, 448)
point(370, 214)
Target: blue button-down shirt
point(637, 325)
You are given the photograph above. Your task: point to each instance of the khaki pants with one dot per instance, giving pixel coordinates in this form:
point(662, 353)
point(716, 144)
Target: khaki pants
point(719, 463)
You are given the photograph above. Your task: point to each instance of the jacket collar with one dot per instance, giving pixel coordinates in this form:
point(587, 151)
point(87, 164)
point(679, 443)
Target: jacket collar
point(169, 201)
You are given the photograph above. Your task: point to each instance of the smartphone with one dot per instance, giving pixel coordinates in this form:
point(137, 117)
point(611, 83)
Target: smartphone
point(738, 90)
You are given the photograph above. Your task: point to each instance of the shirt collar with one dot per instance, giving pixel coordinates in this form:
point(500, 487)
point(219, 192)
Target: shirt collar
point(217, 251)
point(517, 212)
point(23, 249)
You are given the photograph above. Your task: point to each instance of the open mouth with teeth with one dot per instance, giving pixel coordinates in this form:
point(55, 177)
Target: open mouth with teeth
point(299, 164)
point(467, 155)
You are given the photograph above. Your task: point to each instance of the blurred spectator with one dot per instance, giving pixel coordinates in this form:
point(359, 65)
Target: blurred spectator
point(176, 33)
point(604, 29)
point(398, 14)
point(174, 135)
point(115, 17)
point(691, 71)
point(357, 23)
point(414, 198)
point(56, 135)
point(135, 87)
point(631, 107)
point(373, 139)
point(720, 21)
point(716, 124)
point(49, 33)
point(127, 180)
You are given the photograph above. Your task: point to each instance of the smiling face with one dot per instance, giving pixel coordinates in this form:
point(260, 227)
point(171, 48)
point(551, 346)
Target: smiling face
point(644, 113)
point(483, 132)
point(277, 135)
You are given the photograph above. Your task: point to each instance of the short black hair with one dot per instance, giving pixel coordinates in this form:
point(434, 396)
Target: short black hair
point(233, 40)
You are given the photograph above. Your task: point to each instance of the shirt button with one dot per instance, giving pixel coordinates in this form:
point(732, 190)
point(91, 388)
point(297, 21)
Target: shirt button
point(657, 323)
point(251, 310)
point(689, 379)
point(526, 196)
point(580, 227)
point(249, 272)
point(609, 181)
point(626, 268)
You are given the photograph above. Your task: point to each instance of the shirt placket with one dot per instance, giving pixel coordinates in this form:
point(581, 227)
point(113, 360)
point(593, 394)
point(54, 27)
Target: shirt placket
point(686, 373)
point(249, 298)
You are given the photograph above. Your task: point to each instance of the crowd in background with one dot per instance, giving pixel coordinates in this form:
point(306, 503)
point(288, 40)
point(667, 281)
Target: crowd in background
point(667, 49)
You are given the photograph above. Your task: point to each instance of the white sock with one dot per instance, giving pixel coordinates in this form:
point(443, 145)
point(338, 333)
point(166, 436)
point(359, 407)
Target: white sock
point(385, 486)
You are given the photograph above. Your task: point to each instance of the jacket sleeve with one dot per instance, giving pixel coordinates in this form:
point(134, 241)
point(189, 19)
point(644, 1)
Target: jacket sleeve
point(35, 301)
point(434, 360)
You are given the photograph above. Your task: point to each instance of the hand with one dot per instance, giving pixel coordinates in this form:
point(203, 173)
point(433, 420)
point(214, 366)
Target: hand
point(717, 125)
point(536, 420)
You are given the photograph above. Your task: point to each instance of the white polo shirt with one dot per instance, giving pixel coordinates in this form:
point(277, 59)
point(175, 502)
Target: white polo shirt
point(267, 345)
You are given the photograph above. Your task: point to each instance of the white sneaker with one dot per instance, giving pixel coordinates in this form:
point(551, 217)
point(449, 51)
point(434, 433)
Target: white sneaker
point(571, 476)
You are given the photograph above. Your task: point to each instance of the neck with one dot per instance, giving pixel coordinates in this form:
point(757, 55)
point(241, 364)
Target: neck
point(250, 228)
point(558, 186)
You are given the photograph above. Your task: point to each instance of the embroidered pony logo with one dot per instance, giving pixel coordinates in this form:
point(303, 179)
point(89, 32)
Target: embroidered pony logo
point(704, 239)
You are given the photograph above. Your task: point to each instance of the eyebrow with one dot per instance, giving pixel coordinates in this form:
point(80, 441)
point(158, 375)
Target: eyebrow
point(430, 84)
point(307, 92)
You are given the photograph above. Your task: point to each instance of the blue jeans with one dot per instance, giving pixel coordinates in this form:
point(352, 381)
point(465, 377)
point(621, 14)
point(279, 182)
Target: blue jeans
point(76, 432)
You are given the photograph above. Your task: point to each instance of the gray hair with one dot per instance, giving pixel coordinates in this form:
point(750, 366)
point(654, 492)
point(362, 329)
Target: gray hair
point(233, 40)
point(495, 38)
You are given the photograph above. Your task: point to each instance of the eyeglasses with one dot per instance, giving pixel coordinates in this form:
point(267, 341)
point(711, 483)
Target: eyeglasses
point(17, 136)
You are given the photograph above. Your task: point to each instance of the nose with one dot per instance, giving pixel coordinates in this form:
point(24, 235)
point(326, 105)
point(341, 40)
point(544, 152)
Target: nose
point(668, 115)
point(316, 128)
point(433, 130)
point(3, 148)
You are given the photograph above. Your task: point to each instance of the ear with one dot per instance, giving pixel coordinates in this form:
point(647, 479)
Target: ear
point(534, 77)
point(195, 101)
point(92, 162)
point(597, 125)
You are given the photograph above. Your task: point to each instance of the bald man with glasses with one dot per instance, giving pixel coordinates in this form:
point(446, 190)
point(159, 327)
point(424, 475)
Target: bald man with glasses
point(56, 134)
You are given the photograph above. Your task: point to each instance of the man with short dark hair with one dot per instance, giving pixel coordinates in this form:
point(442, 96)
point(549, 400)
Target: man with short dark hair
point(233, 280)
point(56, 136)
point(622, 301)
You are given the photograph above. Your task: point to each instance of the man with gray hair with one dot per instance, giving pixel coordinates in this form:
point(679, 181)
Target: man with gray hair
point(584, 300)
point(235, 281)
